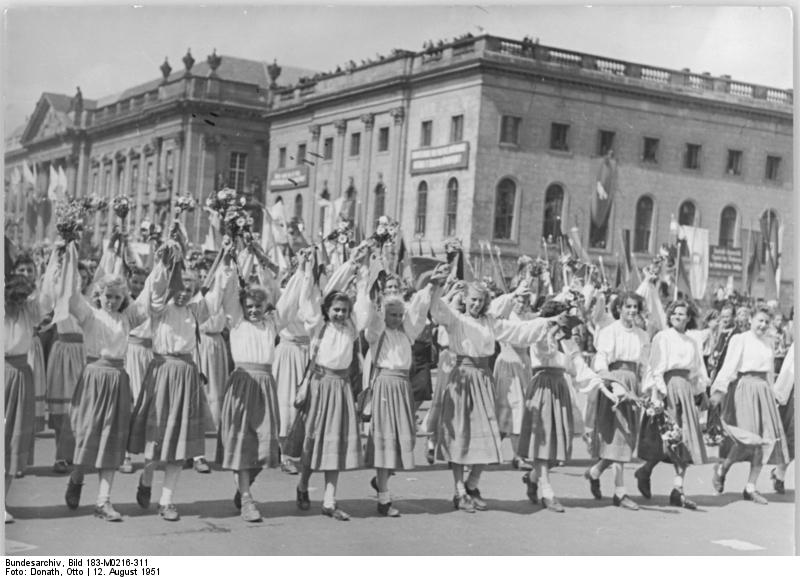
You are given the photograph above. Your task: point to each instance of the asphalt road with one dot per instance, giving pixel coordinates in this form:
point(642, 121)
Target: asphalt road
point(723, 525)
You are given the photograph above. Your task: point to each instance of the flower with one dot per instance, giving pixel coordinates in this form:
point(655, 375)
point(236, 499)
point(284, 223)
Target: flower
point(241, 222)
point(342, 239)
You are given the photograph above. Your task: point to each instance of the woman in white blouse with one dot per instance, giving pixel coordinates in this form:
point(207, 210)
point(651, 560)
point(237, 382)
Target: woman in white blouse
point(465, 422)
point(750, 416)
point(390, 328)
point(622, 353)
point(677, 374)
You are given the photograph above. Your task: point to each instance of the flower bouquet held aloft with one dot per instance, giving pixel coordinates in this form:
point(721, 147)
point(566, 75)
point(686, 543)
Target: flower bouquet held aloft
point(94, 204)
point(121, 206)
point(385, 232)
point(235, 222)
point(69, 221)
point(342, 235)
point(184, 204)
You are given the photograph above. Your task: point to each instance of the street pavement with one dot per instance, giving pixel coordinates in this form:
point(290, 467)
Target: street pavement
point(209, 525)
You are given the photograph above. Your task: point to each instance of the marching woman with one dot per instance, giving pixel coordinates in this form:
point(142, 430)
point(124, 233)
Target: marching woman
point(622, 353)
point(784, 395)
point(332, 441)
point(677, 374)
point(167, 422)
point(750, 415)
point(250, 419)
point(547, 425)
point(22, 314)
point(464, 421)
point(390, 328)
point(101, 404)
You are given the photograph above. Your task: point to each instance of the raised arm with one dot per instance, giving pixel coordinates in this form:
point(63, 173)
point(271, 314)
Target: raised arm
point(417, 313)
point(520, 333)
point(289, 301)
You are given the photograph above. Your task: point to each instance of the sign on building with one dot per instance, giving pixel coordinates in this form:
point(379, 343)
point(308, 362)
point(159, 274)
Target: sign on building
point(285, 179)
point(725, 260)
point(444, 158)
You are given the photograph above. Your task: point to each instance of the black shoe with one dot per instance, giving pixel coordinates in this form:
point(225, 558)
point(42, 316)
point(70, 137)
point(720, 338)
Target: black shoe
point(61, 467)
point(237, 500)
point(625, 502)
point(430, 457)
point(336, 513)
point(755, 496)
point(143, 495)
point(477, 500)
point(303, 501)
point(643, 483)
point(464, 503)
point(388, 510)
point(777, 484)
point(677, 498)
point(594, 485)
point(553, 505)
point(532, 489)
point(374, 483)
point(73, 495)
point(718, 479)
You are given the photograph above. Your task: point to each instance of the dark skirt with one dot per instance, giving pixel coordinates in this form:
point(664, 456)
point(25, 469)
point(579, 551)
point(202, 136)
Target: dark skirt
point(465, 429)
point(20, 407)
point(392, 430)
point(167, 423)
point(101, 415)
point(250, 421)
point(332, 442)
point(421, 382)
point(750, 420)
point(547, 422)
point(787, 419)
point(615, 430)
point(291, 358)
point(679, 404)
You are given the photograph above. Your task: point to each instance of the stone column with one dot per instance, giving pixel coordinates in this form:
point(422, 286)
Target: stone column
point(101, 184)
point(137, 221)
point(366, 222)
point(314, 130)
point(338, 178)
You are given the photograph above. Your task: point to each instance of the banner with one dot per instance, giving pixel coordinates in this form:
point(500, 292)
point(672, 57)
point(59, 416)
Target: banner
point(724, 260)
point(443, 158)
point(604, 189)
point(697, 242)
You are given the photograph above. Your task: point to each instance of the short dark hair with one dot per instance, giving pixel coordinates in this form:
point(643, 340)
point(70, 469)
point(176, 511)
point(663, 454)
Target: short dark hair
point(691, 312)
point(617, 304)
point(329, 299)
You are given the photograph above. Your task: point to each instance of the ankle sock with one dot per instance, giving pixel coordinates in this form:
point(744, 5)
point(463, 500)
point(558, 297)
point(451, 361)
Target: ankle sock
point(749, 488)
point(620, 492)
point(594, 472)
point(384, 497)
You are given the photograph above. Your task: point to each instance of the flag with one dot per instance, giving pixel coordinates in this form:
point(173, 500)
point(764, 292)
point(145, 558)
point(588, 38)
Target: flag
point(267, 233)
point(27, 175)
point(627, 263)
point(697, 241)
point(604, 189)
point(52, 184)
point(62, 182)
point(279, 228)
point(769, 234)
point(682, 282)
point(778, 268)
point(575, 244)
point(753, 266)
point(401, 256)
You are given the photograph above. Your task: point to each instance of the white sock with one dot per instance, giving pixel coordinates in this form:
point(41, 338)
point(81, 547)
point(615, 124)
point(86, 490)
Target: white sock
point(171, 474)
point(166, 497)
point(620, 492)
point(461, 490)
point(384, 497)
point(750, 488)
point(547, 492)
point(594, 472)
point(329, 499)
point(106, 478)
point(678, 482)
point(780, 473)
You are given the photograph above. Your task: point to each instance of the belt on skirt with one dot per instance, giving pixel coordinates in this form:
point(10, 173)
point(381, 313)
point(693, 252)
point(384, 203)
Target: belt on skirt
point(760, 374)
point(17, 361)
point(70, 337)
point(260, 367)
point(145, 342)
point(185, 357)
point(297, 340)
point(684, 373)
point(114, 362)
point(469, 361)
point(629, 365)
point(212, 333)
point(320, 371)
point(403, 373)
point(546, 369)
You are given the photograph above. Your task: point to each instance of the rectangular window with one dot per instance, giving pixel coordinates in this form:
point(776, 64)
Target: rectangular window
point(650, 152)
point(509, 129)
point(426, 133)
point(559, 135)
point(282, 157)
point(457, 128)
point(149, 184)
point(691, 157)
point(301, 154)
point(383, 139)
point(135, 180)
point(734, 166)
point(355, 144)
point(773, 169)
point(327, 149)
point(605, 142)
point(238, 171)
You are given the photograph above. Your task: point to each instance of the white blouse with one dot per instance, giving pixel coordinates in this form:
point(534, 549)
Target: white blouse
point(18, 330)
point(746, 352)
point(616, 342)
point(105, 334)
point(674, 350)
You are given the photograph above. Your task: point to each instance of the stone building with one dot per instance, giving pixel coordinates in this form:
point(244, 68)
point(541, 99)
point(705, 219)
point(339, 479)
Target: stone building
point(490, 139)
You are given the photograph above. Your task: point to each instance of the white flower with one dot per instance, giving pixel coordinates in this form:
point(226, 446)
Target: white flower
point(650, 412)
point(342, 239)
point(383, 220)
point(381, 230)
point(240, 222)
point(242, 201)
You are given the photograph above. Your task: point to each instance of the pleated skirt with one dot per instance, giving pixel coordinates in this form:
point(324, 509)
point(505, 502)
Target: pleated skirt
point(291, 359)
point(680, 404)
point(447, 361)
point(19, 414)
point(511, 380)
point(787, 419)
point(548, 421)
point(64, 368)
point(465, 427)
point(616, 430)
point(36, 360)
point(101, 415)
point(392, 429)
point(751, 420)
point(137, 358)
point(250, 421)
point(212, 360)
point(167, 423)
point(332, 441)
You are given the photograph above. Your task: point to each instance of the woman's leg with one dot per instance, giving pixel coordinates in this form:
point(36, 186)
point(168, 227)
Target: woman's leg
point(105, 478)
point(172, 472)
point(382, 476)
point(750, 491)
point(458, 478)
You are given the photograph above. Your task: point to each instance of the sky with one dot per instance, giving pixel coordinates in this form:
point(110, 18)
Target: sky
point(105, 49)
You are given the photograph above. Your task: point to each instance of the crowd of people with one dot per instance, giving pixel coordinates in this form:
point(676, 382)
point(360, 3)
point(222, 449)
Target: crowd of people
point(292, 365)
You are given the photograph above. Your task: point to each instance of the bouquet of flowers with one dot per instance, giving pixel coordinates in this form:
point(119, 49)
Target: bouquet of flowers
point(185, 204)
point(668, 429)
point(149, 232)
point(69, 220)
point(94, 204)
point(386, 231)
point(235, 222)
point(121, 206)
point(342, 235)
point(453, 246)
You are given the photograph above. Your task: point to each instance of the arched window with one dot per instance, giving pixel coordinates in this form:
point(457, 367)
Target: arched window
point(422, 208)
point(643, 225)
point(298, 206)
point(686, 214)
point(505, 197)
point(380, 201)
point(452, 207)
point(727, 227)
point(553, 207)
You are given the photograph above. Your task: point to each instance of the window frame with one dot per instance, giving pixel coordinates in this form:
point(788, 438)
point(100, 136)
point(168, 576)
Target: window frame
point(421, 216)
point(734, 164)
point(644, 158)
point(327, 148)
point(514, 225)
point(602, 133)
point(234, 172)
point(426, 133)
point(648, 245)
point(515, 127)
point(451, 209)
point(384, 130)
point(734, 226)
point(300, 157)
point(566, 143)
point(558, 215)
point(698, 157)
point(456, 128)
point(355, 144)
point(282, 156)
point(777, 178)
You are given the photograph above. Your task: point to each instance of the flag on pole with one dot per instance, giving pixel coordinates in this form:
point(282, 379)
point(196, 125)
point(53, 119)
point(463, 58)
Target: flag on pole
point(604, 189)
point(62, 183)
point(769, 234)
point(52, 184)
point(697, 241)
point(754, 261)
point(279, 227)
point(682, 282)
point(27, 175)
